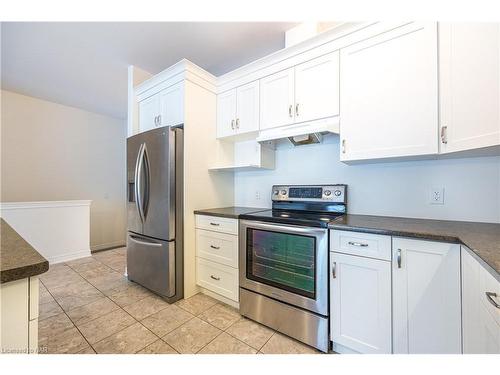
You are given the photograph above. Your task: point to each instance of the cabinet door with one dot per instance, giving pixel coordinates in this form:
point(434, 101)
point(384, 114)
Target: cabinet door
point(277, 99)
point(489, 331)
point(247, 107)
point(470, 85)
point(361, 303)
point(226, 113)
point(317, 88)
point(149, 110)
point(172, 105)
point(426, 297)
point(471, 320)
point(389, 90)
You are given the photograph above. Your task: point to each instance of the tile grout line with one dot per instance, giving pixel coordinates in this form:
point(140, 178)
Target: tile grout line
point(74, 325)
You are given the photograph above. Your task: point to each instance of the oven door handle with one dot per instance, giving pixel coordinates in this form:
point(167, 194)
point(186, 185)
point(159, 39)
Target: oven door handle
point(292, 229)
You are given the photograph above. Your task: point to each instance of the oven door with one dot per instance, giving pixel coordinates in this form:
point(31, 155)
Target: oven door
point(285, 262)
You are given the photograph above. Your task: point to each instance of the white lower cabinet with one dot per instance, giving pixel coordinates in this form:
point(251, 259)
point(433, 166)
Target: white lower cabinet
point(217, 257)
point(481, 331)
point(19, 316)
point(360, 304)
point(426, 297)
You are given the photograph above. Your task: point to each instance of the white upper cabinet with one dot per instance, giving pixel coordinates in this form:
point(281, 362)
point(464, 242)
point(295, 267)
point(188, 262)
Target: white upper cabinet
point(226, 113)
point(306, 92)
point(389, 94)
point(277, 99)
point(172, 105)
point(149, 110)
point(238, 110)
point(426, 297)
point(165, 108)
point(317, 88)
point(469, 85)
point(247, 108)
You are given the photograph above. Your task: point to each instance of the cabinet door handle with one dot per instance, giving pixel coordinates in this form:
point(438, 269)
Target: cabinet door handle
point(489, 297)
point(237, 123)
point(215, 247)
point(444, 130)
point(290, 107)
point(214, 277)
point(297, 109)
point(232, 124)
point(215, 224)
point(399, 258)
point(359, 244)
point(343, 146)
point(334, 270)
point(159, 120)
point(156, 120)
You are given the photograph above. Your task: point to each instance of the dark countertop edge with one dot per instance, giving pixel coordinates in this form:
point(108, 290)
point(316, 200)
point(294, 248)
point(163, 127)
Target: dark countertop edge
point(420, 235)
point(213, 212)
point(23, 272)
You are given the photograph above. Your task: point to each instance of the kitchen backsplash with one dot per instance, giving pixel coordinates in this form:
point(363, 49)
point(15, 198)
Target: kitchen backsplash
point(471, 185)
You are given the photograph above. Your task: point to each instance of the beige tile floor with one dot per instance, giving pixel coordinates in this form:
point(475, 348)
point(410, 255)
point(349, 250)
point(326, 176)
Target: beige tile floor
point(87, 306)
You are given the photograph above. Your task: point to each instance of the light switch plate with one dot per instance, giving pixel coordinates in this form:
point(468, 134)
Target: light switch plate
point(436, 195)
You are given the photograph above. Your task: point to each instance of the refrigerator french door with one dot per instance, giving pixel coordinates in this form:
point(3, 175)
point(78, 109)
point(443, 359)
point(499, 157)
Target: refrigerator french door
point(154, 211)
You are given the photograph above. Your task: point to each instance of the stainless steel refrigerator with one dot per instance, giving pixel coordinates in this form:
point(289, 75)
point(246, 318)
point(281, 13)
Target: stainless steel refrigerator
point(155, 212)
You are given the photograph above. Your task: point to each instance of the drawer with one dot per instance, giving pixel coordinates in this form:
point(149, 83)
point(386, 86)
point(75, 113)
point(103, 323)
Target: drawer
point(217, 247)
point(217, 224)
point(488, 284)
point(363, 244)
point(217, 278)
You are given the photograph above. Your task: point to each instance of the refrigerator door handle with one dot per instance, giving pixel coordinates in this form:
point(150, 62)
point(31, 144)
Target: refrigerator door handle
point(147, 187)
point(146, 243)
point(138, 178)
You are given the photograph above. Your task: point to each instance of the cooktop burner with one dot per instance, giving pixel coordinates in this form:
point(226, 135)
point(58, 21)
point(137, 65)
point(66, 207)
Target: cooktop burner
point(303, 218)
point(305, 205)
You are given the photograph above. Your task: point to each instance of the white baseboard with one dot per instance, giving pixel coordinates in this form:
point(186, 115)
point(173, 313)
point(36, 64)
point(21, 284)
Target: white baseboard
point(108, 245)
point(69, 256)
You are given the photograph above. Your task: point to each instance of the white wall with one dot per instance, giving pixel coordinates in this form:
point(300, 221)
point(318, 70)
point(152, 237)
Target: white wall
point(472, 185)
point(54, 152)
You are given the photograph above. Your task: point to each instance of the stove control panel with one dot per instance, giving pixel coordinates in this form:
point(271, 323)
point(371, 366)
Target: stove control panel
point(310, 193)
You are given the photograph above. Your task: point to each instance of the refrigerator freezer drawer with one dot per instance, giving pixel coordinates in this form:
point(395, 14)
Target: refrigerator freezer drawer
point(151, 263)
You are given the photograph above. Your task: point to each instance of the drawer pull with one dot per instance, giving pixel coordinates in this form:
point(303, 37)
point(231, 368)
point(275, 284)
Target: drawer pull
point(214, 277)
point(358, 244)
point(489, 297)
point(215, 224)
point(215, 247)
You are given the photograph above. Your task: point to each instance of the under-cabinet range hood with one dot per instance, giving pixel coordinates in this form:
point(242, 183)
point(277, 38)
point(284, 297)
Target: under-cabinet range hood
point(302, 134)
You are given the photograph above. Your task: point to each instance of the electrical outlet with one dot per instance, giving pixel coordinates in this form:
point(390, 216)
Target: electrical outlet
point(437, 195)
point(257, 195)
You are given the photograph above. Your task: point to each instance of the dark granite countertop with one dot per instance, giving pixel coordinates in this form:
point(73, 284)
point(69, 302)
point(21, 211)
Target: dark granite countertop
point(229, 212)
point(18, 259)
point(483, 239)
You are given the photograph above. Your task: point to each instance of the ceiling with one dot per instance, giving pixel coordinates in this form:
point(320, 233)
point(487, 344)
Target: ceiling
point(85, 64)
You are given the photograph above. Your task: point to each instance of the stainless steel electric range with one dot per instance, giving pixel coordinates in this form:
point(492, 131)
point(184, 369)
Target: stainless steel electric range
point(284, 261)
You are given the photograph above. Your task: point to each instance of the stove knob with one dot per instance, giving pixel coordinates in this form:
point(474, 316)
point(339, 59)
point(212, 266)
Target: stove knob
point(327, 193)
point(276, 192)
point(337, 193)
point(283, 192)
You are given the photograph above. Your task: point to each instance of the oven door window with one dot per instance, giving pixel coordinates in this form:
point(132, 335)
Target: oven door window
point(282, 260)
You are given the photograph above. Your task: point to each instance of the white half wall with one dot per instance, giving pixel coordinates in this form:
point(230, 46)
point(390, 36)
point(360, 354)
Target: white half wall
point(471, 185)
point(60, 231)
point(52, 152)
